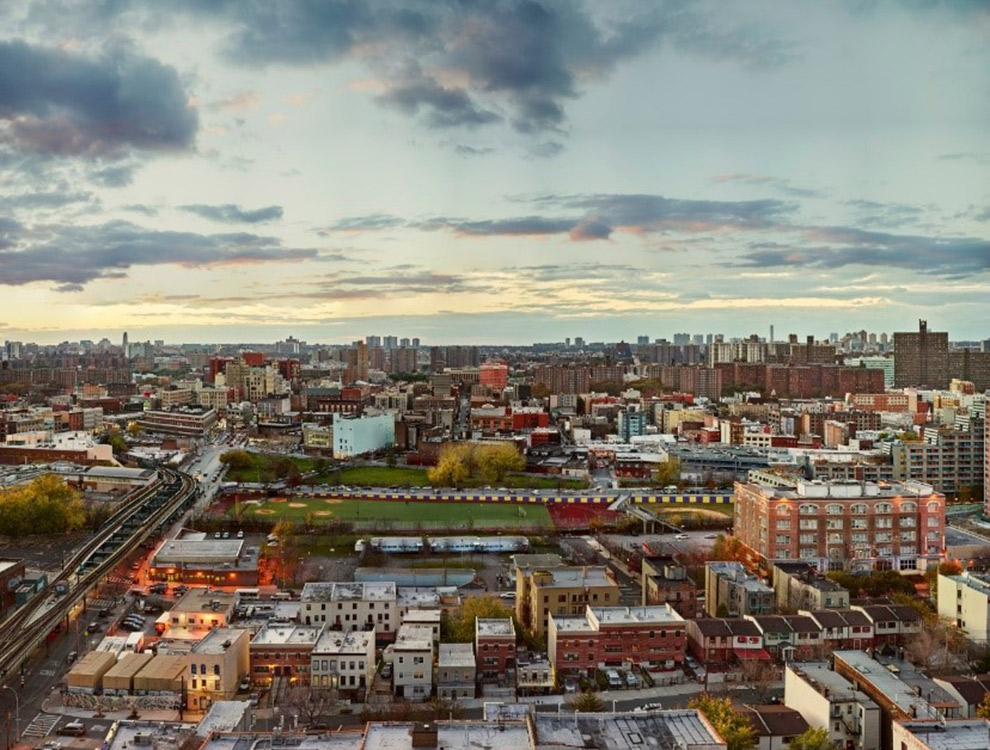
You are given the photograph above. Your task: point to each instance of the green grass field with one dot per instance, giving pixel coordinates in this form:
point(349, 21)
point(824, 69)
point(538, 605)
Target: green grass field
point(397, 514)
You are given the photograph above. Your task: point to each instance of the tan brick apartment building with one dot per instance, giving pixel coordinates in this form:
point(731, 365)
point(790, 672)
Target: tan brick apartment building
point(541, 592)
point(851, 525)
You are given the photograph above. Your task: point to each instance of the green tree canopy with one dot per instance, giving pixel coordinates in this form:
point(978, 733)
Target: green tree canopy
point(734, 728)
point(460, 627)
point(45, 506)
point(814, 738)
point(587, 702)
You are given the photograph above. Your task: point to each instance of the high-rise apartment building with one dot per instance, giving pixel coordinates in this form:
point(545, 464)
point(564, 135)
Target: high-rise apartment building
point(922, 358)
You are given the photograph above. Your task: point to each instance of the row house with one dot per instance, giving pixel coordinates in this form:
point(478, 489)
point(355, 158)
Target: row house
point(616, 637)
point(789, 636)
point(843, 628)
point(665, 581)
point(893, 624)
point(716, 640)
point(282, 650)
point(352, 606)
point(494, 648)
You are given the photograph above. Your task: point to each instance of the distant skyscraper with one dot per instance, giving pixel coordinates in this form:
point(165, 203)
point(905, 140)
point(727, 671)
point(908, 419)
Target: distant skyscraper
point(373, 340)
point(578, 341)
point(404, 343)
point(124, 345)
point(415, 343)
point(567, 341)
point(390, 342)
point(643, 340)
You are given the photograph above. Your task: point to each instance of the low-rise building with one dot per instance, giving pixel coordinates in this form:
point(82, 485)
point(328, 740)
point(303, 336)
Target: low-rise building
point(843, 628)
point(829, 701)
point(731, 591)
point(965, 600)
point(790, 636)
point(215, 666)
point(799, 585)
point(343, 661)
point(616, 637)
point(350, 606)
point(283, 651)
point(200, 609)
point(665, 581)
point(969, 692)
point(893, 624)
point(957, 734)
point(494, 647)
point(412, 675)
point(456, 671)
point(718, 642)
point(534, 674)
point(196, 559)
point(775, 725)
point(542, 592)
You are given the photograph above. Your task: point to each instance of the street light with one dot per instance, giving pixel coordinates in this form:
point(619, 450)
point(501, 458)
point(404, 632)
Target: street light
point(17, 711)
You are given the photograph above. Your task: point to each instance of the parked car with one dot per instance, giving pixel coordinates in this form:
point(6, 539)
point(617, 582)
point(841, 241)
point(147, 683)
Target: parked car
point(245, 684)
point(681, 537)
point(71, 657)
point(387, 671)
point(73, 728)
point(254, 699)
point(631, 680)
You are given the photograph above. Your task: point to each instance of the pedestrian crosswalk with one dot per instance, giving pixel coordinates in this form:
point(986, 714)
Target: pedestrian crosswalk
point(47, 672)
point(41, 725)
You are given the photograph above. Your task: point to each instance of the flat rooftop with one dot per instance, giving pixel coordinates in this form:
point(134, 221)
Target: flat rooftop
point(492, 628)
point(572, 624)
point(953, 734)
point(200, 600)
point(345, 642)
point(361, 591)
point(218, 641)
point(414, 638)
point(185, 551)
point(456, 655)
point(575, 577)
point(662, 730)
point(451, 735)
point(636, 615)
point(286, 635)
point(820, 677)
point(893, 687)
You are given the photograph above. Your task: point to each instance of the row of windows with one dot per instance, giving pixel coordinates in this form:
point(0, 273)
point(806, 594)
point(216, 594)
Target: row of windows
point(857, 509)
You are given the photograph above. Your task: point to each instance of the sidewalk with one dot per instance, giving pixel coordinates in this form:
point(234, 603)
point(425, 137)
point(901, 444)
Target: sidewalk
point(663, 691)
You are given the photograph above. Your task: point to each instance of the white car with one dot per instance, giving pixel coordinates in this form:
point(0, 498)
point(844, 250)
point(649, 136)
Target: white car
point(681, 537)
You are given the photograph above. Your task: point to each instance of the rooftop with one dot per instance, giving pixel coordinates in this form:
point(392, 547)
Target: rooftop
point(957, 734)
point(456, 655)
point(896, 690)
point(826, 682)
point(219, 640)
point(286, 635)
point(636, 615)
point(574, 577)
point(658, 730)
point(452, 735)
point(179, 551)
point(344, 642)
point(414, 638)
point(975, 582)
point(736, 573)
point(491, 628)
point(366, 591)
point(201, 600)
point(847, 490)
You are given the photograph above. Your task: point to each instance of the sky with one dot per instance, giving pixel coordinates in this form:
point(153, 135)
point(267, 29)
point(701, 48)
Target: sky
point(492, 171)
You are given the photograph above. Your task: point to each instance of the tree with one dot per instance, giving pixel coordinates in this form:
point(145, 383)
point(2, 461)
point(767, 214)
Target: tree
point(737, 732)
point(453, 468)
point(237, 459)
point(494, 462)
point(761, 676)
point(727, 548)
point(115, 438)
point(668, 473)
point(390, 457)
point(588, 703)
point(460, 628)
point(134, 429)
point(45, 506)
point(814, 738)
point(983, 710)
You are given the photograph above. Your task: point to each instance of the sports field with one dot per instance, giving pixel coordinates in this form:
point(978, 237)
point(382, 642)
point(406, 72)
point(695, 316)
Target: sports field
point(399, 514)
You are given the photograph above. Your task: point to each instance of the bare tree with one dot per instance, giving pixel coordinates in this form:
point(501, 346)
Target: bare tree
point(312, 704)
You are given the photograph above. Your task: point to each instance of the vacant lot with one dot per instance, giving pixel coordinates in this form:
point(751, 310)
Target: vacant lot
point(385, 515)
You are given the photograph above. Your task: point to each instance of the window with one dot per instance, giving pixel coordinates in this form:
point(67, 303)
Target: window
point(883, 508)
point(933, 507)
point(883, 523)
point(216, 669)
point(808, 538)
point(808, 509)
point(833, 509)
point(833, 523)
point(858, 509)
point(192, 669)
point(783, 525)
point(859, 523)
point(783, 539)
point(908, 507)
point(932, 521)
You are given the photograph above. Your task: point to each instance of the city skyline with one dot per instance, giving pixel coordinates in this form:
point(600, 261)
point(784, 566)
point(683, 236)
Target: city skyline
point(506, 172)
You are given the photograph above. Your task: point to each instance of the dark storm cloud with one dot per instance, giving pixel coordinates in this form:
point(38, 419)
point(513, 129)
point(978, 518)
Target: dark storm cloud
point(228, 213)
point(63, 103)
point(836, 247)
point(76, 255)
point(456, 63)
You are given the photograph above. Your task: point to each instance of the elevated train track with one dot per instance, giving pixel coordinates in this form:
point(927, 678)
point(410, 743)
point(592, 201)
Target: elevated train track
point(148, 511)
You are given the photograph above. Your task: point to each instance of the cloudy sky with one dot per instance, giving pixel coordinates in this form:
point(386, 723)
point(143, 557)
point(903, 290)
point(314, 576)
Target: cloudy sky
point(492, 170)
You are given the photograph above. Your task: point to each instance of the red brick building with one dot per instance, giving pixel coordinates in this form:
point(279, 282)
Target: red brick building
point(883, 526)
point(282, 651)
point(616, 637)
point(494, 648)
